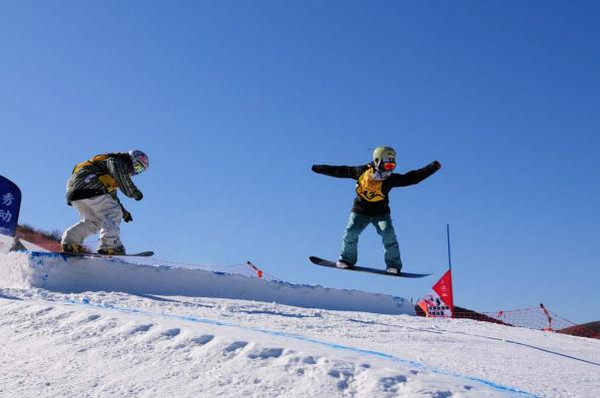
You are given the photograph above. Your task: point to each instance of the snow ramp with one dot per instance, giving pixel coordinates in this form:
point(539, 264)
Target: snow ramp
point(142, 276)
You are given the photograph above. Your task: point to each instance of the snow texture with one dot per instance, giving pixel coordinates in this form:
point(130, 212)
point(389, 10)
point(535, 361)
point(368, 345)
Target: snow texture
point(60, 273)
point(66, 334)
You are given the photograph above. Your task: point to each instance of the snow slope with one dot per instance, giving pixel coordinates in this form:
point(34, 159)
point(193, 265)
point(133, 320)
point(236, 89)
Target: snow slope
point(135, 344)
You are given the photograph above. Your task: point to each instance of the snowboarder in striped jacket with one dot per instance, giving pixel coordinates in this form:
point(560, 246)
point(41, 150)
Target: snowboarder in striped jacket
point(374, 181)
point(92, 190)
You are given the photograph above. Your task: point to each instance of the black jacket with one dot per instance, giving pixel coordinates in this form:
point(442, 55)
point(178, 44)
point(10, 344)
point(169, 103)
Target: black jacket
point(100, 175)
point(372, 195)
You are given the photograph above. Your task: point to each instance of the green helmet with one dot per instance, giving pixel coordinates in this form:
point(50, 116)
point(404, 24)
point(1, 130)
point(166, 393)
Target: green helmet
point(383, 153)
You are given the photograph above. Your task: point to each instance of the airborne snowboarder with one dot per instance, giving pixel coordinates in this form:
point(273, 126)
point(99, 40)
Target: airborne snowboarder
point(92, 190)
point(371, 206)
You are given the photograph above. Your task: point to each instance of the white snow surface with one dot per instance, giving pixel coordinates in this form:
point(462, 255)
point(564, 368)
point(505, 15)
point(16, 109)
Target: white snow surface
point(63, 335)
point(6, 243)
point(55, 272)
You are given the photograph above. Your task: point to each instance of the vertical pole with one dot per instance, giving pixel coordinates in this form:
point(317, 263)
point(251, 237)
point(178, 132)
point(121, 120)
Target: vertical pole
point(549, 328)
point(449, 256)
point(450, 269)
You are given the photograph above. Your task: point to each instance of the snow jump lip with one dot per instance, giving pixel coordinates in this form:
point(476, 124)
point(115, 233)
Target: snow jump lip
point(75, 274)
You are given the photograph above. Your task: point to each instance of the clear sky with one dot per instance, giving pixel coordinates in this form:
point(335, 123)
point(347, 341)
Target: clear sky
point(235, 100)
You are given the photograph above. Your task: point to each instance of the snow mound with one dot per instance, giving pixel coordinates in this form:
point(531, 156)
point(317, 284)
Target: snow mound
point(61, 338)
point(104, 350)
point(133, 275)
point(7, 243)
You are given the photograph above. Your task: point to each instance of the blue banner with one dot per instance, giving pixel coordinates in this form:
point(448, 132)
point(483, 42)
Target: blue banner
point(10, 203)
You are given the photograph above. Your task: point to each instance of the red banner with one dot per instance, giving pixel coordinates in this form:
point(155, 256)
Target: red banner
point(440, 303)
point(444, 289)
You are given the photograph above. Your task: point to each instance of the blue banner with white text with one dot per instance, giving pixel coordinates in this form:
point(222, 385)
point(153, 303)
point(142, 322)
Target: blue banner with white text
point(10, 203)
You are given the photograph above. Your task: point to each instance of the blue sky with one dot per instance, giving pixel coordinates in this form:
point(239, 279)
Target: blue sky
point(235, 100)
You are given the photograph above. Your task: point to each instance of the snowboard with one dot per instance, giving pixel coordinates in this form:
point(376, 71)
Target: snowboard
point(147, 253)
point(331, 264)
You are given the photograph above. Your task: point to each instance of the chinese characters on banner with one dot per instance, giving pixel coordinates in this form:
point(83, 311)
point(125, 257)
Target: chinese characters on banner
point(439, 303)
point(10, 203)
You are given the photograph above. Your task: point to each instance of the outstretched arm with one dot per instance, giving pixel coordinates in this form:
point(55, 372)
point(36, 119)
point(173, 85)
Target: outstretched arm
point(415, 176)
point(339, 171)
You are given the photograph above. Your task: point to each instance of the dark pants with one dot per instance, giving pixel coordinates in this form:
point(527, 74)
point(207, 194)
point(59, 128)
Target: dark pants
point(383, 224)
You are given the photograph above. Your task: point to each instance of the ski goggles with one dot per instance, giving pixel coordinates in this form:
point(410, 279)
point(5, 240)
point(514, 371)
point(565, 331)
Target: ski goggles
point(388, 164)
point(138, 167)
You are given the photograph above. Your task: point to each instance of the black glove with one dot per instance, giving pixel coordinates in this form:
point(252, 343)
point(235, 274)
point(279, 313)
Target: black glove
point(126, 215)
point(436, 165)
point(138, 196)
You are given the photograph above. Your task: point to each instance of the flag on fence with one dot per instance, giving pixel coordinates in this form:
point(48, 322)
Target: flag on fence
point(10, 203)
point(439, 303)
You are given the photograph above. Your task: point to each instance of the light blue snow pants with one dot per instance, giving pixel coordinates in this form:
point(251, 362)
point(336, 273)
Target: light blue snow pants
point(383, 224)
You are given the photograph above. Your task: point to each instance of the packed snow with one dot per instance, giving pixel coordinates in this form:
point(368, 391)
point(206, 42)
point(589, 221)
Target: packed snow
point(56, 272)
point(72, 337)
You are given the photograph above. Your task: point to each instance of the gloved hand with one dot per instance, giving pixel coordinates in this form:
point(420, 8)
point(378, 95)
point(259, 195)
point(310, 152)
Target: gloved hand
point(138, 196)
point(127, 216)
point(437, 165)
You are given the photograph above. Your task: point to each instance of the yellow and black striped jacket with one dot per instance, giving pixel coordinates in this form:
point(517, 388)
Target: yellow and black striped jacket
point(100, 175)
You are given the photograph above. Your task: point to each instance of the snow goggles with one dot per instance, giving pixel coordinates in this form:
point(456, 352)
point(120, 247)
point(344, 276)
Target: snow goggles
point(389, 166)
point(138, 167)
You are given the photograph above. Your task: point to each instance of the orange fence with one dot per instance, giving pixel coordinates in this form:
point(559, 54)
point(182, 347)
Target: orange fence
point(532, 318)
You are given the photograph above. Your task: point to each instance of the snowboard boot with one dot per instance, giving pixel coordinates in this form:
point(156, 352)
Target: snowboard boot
point(391, 269)
point(112, 251)
point(342, 264)
point(73, 248)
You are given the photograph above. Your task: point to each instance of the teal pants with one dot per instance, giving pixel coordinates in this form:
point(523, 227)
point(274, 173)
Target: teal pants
point(383, 224)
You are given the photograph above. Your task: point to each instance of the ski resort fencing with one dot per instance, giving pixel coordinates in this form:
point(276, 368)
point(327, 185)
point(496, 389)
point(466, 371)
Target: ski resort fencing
point(539, 318)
